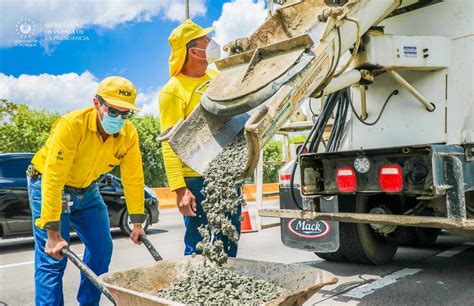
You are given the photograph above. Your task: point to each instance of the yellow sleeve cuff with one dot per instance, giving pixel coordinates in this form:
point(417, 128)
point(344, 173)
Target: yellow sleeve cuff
point(174, 168)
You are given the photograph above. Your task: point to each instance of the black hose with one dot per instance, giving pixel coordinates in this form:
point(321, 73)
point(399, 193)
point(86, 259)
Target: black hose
point(293, 169)
point(339, 126)
point(323, 119)
point(317, 131)
point(338, 104)
point(393, 93)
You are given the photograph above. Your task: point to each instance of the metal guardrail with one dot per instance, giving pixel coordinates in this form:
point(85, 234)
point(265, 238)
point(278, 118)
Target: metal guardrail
point(271, 194)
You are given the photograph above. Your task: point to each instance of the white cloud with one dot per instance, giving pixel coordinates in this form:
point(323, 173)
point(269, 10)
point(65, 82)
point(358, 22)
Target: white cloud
point(66, 92)
point(78, 14)
point(148, 102)
point(175, 10)
point(63, 93)
point(239, 18)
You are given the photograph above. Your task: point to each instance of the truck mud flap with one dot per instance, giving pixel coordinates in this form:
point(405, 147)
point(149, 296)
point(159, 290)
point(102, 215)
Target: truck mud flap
point(310, 235)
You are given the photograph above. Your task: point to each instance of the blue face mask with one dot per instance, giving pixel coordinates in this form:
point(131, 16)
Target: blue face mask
point(112, 125)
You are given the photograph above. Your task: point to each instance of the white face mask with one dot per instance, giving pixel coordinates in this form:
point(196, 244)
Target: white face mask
point(213, 52)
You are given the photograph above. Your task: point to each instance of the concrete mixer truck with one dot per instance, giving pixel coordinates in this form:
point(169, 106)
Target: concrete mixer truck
point(395, 79)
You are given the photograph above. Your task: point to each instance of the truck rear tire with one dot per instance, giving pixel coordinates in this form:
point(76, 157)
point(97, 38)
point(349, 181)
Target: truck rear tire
point(359, 243)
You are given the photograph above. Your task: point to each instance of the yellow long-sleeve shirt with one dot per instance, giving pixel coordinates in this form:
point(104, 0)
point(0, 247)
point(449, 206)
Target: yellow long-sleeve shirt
point(75, 155)
point(178, 98)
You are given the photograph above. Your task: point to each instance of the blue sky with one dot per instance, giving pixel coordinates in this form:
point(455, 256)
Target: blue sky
point(136, 48)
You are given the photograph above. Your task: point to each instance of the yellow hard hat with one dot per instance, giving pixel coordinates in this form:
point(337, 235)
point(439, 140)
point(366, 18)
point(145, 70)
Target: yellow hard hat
point(118, 91)
point(178, 39)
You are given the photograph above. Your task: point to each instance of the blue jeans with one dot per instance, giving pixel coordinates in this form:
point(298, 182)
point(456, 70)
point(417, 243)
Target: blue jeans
point(89, 217)
point(192, 236)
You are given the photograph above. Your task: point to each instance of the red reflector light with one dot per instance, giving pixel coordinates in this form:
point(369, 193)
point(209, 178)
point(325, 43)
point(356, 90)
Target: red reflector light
point(303, 151)
point(285, 177)
point(391, 178)
point(346, 180)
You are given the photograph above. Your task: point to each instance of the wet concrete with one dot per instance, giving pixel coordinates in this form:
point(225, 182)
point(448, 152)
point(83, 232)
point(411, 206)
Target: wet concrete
point(209, 284)
point(222, 180)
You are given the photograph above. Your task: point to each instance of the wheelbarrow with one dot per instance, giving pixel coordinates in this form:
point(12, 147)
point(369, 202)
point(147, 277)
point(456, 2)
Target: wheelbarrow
point(93, 277)
point(140, 286)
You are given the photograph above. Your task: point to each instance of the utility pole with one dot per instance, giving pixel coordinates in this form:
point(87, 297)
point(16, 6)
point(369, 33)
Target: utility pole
point(186, 7)
point(270, 8)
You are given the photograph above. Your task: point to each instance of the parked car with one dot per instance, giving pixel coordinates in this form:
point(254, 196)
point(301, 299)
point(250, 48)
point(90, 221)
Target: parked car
point(15, 212)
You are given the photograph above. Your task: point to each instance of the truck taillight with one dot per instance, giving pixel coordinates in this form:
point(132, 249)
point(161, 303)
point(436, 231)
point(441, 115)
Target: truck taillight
point(346, 180)
point(285, 179)
point(391, 178)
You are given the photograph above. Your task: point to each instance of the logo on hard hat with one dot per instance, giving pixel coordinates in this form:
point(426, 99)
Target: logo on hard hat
point(125, 93)
point(309, 228)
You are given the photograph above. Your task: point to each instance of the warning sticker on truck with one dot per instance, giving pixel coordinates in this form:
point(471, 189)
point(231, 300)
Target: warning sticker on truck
point(410, 51)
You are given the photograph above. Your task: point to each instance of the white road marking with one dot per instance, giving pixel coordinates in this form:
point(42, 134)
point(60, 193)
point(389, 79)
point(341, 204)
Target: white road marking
point(16, 264)
point(455, 251)
point(369, 288)
point(24, 263)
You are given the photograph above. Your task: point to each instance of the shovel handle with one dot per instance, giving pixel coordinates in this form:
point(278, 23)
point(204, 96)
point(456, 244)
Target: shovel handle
point(150, 248)
point(87, 272)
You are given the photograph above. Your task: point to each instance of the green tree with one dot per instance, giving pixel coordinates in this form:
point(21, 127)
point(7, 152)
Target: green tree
point(271, 153)
point(298, 139)
point(148, 128)
point(23, 129)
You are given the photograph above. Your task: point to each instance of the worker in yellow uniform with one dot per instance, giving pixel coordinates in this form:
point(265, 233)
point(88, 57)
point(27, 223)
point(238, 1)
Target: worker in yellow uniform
point(63, 191)
point(191, 53)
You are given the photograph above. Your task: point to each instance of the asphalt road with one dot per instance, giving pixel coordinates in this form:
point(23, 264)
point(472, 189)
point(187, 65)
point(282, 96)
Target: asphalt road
point(442, 274)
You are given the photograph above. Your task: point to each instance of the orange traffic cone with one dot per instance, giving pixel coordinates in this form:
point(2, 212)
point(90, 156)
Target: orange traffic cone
point(246, 223)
